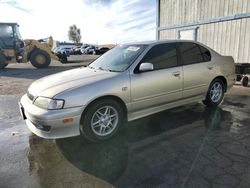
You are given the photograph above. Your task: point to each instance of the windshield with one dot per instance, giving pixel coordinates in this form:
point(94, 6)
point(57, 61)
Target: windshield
point(118, 59)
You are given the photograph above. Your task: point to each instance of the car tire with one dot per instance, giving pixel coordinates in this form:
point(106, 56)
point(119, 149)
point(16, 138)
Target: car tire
point(63, 58)
point(101, 120)
point(215, 93)
point(3, 62)
point(40, 58)
point(245, 81)
point(238, 78)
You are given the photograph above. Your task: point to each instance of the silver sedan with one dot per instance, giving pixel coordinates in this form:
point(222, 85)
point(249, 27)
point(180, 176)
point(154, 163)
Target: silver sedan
point(129, 82)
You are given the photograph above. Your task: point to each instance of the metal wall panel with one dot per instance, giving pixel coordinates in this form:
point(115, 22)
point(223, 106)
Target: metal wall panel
point(183, 11)
point(227, 38)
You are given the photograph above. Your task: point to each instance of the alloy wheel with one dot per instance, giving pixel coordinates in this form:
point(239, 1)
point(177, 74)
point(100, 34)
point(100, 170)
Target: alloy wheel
point(104, 121)
point(216, 92)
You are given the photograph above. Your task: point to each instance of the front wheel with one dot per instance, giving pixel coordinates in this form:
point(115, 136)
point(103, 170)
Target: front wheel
point(215, 93)
point(40, 58)
point(102, 120)
point(3, 61)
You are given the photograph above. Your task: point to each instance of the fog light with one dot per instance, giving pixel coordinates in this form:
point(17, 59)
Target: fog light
point(42, 127)
point(68, 120)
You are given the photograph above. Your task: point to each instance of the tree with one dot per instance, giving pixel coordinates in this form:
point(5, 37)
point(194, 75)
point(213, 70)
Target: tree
point(74, 34)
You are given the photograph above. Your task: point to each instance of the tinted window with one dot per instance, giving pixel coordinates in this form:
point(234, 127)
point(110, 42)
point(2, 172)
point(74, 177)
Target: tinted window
point(190, 53)
point(162, 56)
point(205, 53)
point(6, 31)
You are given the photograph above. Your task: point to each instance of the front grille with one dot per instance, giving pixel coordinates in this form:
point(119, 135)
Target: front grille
point(30, 96)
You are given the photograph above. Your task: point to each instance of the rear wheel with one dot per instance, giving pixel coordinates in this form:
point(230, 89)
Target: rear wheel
point(40, 58)
point(3, 61)
point(102, 120)
point(245, 81)
point(215, 93)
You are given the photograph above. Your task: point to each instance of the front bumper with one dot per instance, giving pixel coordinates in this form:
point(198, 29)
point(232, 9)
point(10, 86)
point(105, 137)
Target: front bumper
point(49, 123)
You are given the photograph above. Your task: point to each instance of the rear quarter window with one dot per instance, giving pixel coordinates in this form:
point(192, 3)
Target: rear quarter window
point(205, 53)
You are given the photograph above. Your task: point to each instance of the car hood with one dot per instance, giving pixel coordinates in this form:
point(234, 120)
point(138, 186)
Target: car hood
point(52, 85)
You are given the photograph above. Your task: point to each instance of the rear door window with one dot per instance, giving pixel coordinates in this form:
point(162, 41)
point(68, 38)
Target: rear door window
point(191, 53)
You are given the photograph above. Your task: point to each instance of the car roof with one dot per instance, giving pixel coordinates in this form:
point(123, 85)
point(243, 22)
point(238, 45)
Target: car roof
point(158, 42)
point(155, 42)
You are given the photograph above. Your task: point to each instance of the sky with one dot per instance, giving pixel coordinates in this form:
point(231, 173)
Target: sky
point(100, 21)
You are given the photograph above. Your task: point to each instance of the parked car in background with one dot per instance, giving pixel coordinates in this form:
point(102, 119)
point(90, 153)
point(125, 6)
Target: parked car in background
point(126, 83)
point(63, 49)
point(83, 47)
point(56, 49)
point(90, 50)
point(100, 51)
point(67, 50)
point(76, 51)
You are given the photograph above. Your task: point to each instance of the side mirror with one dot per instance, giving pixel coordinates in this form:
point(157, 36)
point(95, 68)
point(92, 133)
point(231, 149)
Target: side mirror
point(144, 67)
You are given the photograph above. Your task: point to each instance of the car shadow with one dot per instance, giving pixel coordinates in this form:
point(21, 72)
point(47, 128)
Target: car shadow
point(112, 160)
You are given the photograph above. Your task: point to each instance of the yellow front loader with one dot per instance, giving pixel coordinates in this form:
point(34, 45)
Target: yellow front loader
point(39, 54)
point(14, 49)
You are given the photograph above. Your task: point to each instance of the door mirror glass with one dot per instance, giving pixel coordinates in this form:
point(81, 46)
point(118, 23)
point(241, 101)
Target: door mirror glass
point(144, 67)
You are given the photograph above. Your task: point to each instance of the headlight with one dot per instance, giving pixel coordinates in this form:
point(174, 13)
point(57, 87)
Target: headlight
point(47, 103)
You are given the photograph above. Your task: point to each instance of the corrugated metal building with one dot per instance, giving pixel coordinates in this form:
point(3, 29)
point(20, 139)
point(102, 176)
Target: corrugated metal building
point(223, 25)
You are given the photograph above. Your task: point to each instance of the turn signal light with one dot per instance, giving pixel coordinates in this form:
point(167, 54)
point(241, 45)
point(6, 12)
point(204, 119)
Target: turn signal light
point(68, 120)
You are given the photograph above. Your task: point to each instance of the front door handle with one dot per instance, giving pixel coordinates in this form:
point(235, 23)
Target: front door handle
point(177, 73)
point(210, 67)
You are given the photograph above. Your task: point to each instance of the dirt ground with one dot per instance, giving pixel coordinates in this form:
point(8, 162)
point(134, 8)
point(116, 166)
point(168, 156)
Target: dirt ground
point(11, 86)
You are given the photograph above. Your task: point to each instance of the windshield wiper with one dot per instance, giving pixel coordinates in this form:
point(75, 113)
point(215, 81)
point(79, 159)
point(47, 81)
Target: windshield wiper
point(113, 70)
point(110, 70)
point(100, 68)
point(90, 67)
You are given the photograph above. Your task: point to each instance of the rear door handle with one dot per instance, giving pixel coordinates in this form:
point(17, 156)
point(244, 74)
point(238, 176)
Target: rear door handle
point(177, 73)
